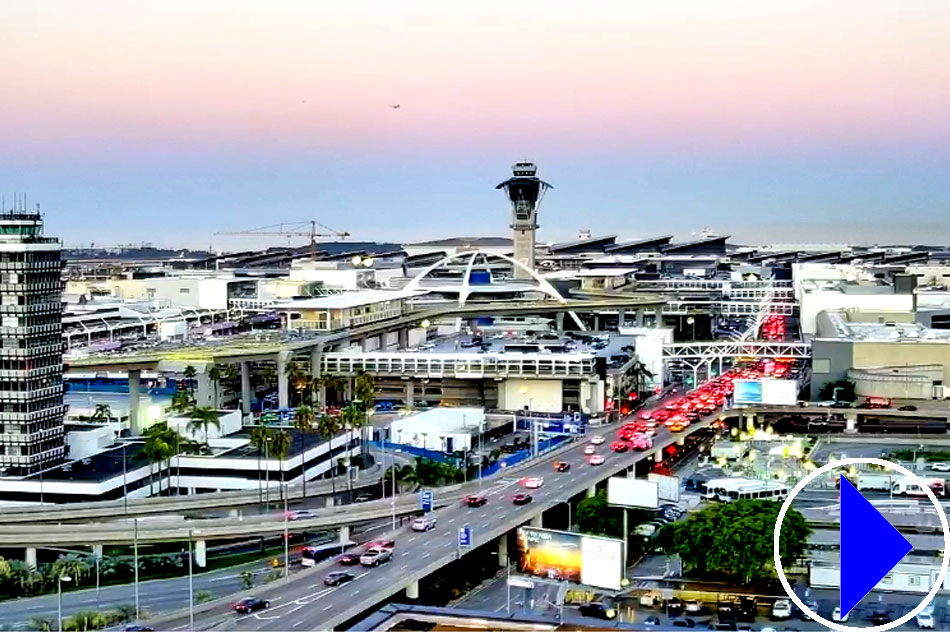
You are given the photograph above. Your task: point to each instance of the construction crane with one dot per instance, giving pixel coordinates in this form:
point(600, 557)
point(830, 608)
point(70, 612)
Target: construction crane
point(293, 229)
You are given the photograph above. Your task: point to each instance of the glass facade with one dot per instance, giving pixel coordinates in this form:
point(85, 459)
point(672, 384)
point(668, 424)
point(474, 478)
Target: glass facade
point(32, 435)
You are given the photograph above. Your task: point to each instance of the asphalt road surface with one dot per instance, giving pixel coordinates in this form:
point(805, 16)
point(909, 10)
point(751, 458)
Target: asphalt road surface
point(305, 604)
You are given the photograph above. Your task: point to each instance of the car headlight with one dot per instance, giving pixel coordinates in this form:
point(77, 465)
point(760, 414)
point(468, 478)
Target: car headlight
point(611, 614)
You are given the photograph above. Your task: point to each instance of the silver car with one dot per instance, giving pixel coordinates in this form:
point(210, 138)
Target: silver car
point(375, 556)
point(424, 524)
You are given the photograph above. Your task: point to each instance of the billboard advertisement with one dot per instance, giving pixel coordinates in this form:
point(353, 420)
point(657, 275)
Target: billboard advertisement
point(632, 493)
point(595, 561)
point(668, 488)
point(766, 391)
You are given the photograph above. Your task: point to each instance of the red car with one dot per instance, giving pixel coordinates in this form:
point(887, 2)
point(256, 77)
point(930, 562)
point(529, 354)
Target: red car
point(641, 442)
point(384, 543)
point(476, 501)
point(349, 559)
point(619, 447)
point(521, 498)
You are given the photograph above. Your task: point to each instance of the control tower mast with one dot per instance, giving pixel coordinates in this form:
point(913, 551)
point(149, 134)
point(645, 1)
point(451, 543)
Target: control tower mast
point(525, 191)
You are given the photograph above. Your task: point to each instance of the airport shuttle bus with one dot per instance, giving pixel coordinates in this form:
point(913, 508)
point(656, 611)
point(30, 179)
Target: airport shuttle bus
point(313, 554)
point(734, 488)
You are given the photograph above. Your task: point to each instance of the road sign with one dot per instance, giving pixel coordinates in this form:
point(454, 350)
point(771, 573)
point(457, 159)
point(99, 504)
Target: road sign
point(425, 499)
point(465, 536)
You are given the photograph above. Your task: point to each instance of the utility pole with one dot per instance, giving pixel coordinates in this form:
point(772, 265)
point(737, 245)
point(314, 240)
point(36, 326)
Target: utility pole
point(135, 561)
point(286, 540)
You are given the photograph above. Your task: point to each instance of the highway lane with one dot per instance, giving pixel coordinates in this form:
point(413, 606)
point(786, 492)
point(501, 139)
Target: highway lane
point(305, 604)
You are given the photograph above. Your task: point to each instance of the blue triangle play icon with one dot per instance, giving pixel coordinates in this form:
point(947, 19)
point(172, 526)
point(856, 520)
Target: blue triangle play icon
point(870, 547)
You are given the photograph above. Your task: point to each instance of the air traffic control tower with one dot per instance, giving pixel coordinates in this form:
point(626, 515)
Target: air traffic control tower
point(525, 191)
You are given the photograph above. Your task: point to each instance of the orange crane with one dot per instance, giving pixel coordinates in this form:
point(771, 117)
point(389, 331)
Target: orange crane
point(293, 229)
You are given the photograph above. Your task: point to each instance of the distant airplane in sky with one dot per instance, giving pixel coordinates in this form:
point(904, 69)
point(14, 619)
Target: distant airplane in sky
point(395, 107)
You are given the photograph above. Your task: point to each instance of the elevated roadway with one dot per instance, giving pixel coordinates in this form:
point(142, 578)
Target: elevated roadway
point(305, 604)
point(232, 352)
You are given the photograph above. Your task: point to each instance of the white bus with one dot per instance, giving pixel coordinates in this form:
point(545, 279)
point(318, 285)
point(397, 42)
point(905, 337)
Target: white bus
point(733, 488)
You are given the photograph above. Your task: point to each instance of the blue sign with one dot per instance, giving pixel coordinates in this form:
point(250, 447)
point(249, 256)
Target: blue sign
point(465, 536)
point(425, 499)
point(870, 547)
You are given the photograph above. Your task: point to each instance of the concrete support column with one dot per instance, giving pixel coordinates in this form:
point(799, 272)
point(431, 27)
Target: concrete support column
point(639, 317)
point(201, 553)
point(410, 388)
point(592, 491)
point(402, 338)
point(283, 386)
point(621, 317)
point(349, 389)
point(344, 534)
point(245, 387)
point(135, 426)
point(412, 590)
point(316, 370)
point(681, 441)
point(502, 550)
point(658, 456)
point(559, 321)
point(30, 557)
point(597, 323)
point(537, 520)
point(204, 393)
point(851, 424)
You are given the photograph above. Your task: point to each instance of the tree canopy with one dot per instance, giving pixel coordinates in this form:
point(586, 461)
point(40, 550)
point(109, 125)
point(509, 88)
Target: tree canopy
point(735, 539)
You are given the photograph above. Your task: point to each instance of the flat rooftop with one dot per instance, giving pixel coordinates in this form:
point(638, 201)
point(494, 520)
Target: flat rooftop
point(897, 332)
point(346, 300)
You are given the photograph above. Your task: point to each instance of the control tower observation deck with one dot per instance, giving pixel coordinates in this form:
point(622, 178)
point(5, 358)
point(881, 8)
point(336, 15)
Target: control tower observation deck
point(525, 191)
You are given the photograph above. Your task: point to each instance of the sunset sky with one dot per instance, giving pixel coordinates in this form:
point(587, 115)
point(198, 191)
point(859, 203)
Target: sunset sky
point(770, 121)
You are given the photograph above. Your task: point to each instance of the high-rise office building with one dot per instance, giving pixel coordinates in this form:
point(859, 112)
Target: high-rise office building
point(32, 435)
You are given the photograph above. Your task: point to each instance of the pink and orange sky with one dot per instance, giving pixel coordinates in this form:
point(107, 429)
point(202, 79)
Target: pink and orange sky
point(167, 121)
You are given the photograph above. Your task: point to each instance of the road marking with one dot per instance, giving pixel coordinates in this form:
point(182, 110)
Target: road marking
point(412, 539)
point(328, 607)
point(361, 575)
point(299, 623)
point(484, 525)
point(404, 567)
point(427, 555)
point(405, 553)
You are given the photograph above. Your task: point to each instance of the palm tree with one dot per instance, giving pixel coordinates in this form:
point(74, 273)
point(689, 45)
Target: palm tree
point(303, 424)
point(351, 418)
point(328, 426)
point(364, 390)
point(281, 447)
point(297, 377)
point(155, 450)
point(190, 374)
point(183, 401)
point(258, 438)
point(202, 418)
point(103, 413)
point(334, 384)
point(69, 565)
point(214, 375)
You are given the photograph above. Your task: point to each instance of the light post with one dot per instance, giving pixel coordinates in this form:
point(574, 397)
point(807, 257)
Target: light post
point(191, 586)
point(481, 458)
point(59, 594)
point(286, 541)
point(135, 562)
point(125, 480)
point(267, 442)
point(507, 581)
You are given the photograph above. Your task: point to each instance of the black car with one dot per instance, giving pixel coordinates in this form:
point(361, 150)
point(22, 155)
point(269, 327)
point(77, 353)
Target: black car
point(138, 627)
point(723, 626)
point(652, 621)
point(249, 605)
point(907, 407)
point(727, 611)
point(674, 606)
point(360, 498)
point(811, 604)
point(335, 578)
point(521, 499)
point(880, 617)
point(476, 501)
point(349, 559)
point(685, 623)
point(597, 610)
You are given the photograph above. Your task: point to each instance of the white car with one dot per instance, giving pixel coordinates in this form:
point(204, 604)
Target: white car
point(781, 609)
point(532, 482)
point(942, 467)
point(424, 524)
point(837, 617)
point(925, 620)
point(590, 449)
point(597, 439)
point(595, 460)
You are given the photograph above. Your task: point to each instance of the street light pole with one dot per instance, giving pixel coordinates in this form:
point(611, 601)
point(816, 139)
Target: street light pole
point(135, 561)
point(125, 480)
point(480, 457)
point(286, 540)
point(59, 593)
point(191, 586)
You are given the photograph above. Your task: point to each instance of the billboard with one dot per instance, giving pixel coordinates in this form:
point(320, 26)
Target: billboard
point(632, 493)
point(668, 487)
point(589, 560)
point(766, 391)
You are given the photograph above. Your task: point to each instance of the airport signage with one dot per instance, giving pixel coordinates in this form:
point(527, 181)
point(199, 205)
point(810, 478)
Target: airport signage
point(465, 536)
point(425, 500)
